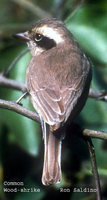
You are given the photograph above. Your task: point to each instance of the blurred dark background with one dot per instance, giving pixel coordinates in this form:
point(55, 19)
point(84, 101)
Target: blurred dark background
point(21, 143)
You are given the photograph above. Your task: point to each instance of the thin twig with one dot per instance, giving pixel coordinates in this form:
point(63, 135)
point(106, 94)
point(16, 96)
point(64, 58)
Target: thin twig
point(94, 168)
point(10, 105)
point(6, 73)
point(76, 6)
point(21, 97)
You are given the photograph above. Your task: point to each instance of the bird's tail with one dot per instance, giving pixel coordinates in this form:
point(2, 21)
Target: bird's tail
point(52, 157)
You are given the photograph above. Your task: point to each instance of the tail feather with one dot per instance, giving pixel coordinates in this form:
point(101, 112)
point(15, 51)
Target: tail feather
point(52, 158)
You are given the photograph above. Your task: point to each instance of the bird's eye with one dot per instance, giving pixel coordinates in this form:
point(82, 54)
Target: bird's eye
point(38, 37)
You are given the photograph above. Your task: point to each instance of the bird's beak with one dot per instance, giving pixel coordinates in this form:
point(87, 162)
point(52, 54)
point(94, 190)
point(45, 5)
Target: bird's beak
point(22, 36)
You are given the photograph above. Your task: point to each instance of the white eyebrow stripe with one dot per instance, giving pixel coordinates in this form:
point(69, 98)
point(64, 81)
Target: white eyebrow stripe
point(51, 33)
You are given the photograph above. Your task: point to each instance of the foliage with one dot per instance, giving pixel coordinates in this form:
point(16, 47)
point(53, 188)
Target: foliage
point(21, 144)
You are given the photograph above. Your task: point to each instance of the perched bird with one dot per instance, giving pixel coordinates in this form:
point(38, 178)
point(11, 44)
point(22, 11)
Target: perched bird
point(58, 80)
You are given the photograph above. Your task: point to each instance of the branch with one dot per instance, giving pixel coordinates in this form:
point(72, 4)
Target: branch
point(11, 105)
point(95, 134)
point(9, 83)
point(97, 94)
point(13, 84)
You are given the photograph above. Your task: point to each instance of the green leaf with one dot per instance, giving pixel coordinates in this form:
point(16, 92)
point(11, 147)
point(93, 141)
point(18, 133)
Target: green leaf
point(89, 26)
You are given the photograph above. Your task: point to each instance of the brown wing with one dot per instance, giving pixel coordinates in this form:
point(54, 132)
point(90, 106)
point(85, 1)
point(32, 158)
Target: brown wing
point(55, 88)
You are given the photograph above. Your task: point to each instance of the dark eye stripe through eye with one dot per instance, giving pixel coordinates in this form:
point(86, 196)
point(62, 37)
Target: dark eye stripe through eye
point(38, 37)
point(46, 43)
point(43, 41)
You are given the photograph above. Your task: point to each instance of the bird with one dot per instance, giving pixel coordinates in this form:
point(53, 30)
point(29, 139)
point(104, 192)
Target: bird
point(58, 79)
